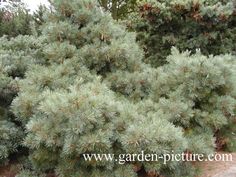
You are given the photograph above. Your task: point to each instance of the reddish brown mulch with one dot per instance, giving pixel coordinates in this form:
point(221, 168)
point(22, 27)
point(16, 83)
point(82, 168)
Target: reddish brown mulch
point(8, 171)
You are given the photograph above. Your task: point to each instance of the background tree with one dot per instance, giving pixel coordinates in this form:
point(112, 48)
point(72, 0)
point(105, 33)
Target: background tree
point(15, 21)
point(119, 9)
point(207, 25)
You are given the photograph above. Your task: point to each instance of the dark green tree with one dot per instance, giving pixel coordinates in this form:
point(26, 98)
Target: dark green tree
point(119, 9)
point(208, 25)
point(14, 23)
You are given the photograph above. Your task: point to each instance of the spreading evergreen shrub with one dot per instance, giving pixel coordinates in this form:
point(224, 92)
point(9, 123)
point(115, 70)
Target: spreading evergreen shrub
point(198, 93)
point(16, 55)
point(186, 24)
point(28, 173)
point(66, 108)
point(226, 137)
point(10, 137)
point(84, 89)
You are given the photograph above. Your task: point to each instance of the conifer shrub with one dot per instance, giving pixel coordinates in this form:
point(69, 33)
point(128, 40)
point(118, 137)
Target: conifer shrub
point(28, 173)
point(198, 93)
point(16, 55)
point(10, 134)
point(10, 137)
point(17, 52)
point(188, 25)
point(86, 90)
point(67, 103)
point(226, 137)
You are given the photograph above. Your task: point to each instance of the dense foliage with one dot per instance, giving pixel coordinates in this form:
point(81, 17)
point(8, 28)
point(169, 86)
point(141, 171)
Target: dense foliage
point(198, 93)
point(17, 52)
point(16, 55)
point(205, 24)
point(10, 137)
point(78, 85)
